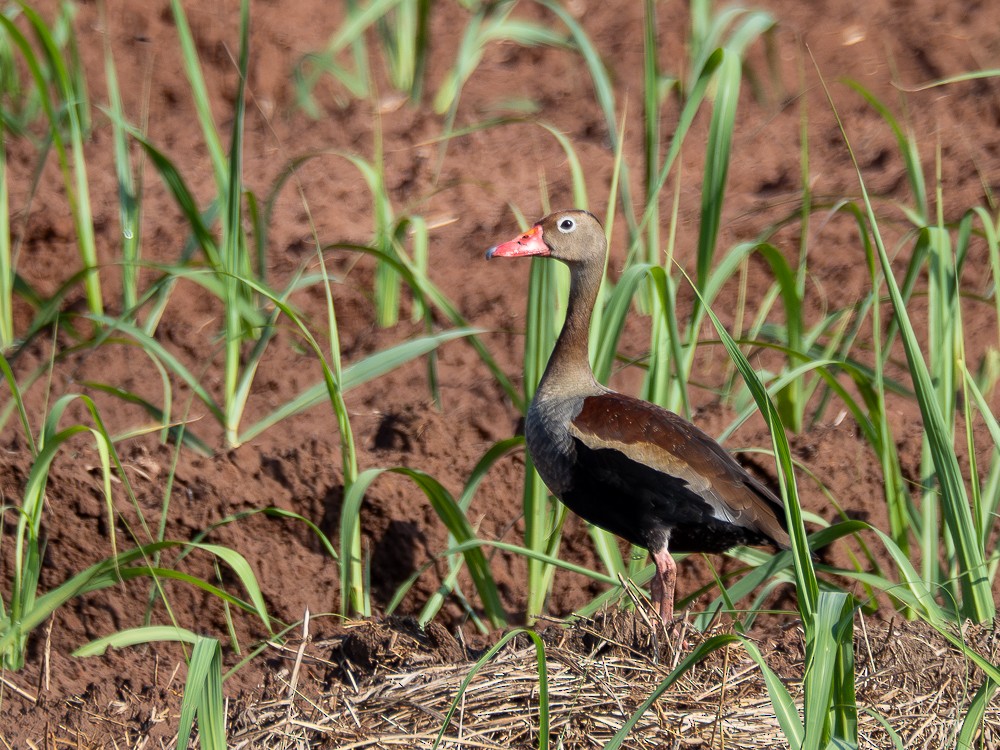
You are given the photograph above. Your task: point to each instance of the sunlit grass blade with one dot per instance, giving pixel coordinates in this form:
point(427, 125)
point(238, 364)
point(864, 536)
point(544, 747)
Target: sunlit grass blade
point(666, 381)
point(830, 705)
point(543, 557)
point(17, 400)
point(972, 724)
point(652, 96)
point(717, 152)
point(911, 589)
point(357, 373)
point(235, 257)
point(785, 710)
point(6, 258)
point(129, 204)
point(975, 601)
point(200, 97)
point(73, 106)
point(490, 23)
point(684, 121)
point(709, 29)
point(698, 654)
point(134, 637)
point(129, 565)
point(353, 375)
point(351, 33)
point(617, 307)
point(790, 405)
point(424, 288)
point(389, 233)
point(989, 506)
point(153, 348)
point(404, 33)
point(33, 610)
point(543, 685)
point(908, 149)
point(605, 96)
point(766, 567)
point(807, 586)
point(455, 561)
point(232, 260)
point(897, 499)
point(187, 438)
point(203, 697)
point(28, 541)
point(354, 597)
point(184, 198)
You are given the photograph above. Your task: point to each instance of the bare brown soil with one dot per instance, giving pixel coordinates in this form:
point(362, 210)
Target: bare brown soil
point(124, 697)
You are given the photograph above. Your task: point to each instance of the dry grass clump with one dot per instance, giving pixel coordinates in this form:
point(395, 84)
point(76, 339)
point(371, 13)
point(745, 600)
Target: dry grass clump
point(390, 685)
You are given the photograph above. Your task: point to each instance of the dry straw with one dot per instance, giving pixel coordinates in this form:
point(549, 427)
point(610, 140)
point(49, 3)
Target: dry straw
point(393, 691)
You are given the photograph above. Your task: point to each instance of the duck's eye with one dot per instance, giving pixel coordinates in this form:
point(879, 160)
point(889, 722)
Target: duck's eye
point(567, 225)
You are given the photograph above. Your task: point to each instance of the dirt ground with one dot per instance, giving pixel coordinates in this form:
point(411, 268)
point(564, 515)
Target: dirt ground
point(886, 45)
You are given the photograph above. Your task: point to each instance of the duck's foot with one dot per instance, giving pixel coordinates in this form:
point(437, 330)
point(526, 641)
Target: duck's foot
point(675, 633)
point(672, 633)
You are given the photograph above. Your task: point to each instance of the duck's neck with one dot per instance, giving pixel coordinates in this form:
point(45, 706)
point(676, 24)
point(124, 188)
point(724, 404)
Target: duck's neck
point(568, 372)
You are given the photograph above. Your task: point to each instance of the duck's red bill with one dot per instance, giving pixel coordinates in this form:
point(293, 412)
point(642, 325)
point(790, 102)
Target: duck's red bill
point(529, 243)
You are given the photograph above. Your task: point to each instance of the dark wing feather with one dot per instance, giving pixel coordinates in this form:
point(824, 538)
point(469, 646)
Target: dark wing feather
point(688, 462)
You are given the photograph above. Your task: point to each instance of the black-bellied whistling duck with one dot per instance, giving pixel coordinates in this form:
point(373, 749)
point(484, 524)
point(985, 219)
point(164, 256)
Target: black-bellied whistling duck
point(626, 465)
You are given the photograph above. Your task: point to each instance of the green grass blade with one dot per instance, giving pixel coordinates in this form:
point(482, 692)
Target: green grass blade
point(924, 603)
point(547, 285)
point(805, 576)
point(987, 510)
point(604, 94)
point(453, 517)
point(784, 707)
point(701, 651)
point(74, 104)
point(199, 93)
point(491, 23)
point(972, 724)
point(717, 153)
point(203, 697)
point(543, 685)
point(153, 348)
point(830, 706)
point(118, 568)
point(235, 257)
point(455, 561)
point(767, 567)
point(7, 272)
point(548, 559)
point(424, 287)
point(976, 598)
point(908, 149)
point(651, 116)
point(959, 78)
point(371, 367)
point(351, 33)
point(684, 121)
point(188, 439)
point(135, 637)
point(353, 597)
point(617, 307)
point(183, 197)
point(18, 401)
point(577, 178)
point(129, 212)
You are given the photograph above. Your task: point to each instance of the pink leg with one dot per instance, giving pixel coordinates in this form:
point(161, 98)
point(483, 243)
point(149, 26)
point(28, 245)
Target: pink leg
point(663, 583)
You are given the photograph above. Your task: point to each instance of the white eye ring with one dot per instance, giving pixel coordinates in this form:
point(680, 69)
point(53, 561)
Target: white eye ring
point(566, 225)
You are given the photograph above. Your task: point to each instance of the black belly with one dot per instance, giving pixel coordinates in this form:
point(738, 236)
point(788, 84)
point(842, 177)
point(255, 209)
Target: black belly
point(641, 505)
